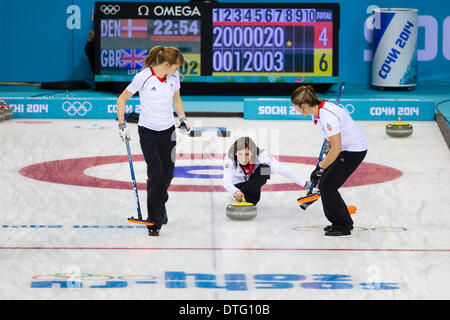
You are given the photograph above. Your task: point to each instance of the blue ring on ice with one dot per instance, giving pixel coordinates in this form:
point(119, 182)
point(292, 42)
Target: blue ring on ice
point(185, 172)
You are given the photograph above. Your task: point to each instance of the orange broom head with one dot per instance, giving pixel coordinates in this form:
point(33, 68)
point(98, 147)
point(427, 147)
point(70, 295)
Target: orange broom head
point(133, 220)
point(351, 209)
point(310, 198)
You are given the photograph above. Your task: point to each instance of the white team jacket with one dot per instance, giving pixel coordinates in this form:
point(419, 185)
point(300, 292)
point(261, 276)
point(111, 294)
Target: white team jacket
point(234, 174)
point(333, 120)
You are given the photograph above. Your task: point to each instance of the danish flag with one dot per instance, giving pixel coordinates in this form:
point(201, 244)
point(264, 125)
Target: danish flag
point(133, 28)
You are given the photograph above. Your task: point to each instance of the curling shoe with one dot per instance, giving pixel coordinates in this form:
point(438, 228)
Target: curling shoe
point(337, 233)
point(328, 228)
point(153, 231)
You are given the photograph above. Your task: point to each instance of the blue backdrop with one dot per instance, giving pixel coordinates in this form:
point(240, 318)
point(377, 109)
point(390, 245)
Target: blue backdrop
point(44, 40)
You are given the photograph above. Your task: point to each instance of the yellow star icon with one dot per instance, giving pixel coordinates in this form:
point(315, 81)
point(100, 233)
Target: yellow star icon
point(289, 43)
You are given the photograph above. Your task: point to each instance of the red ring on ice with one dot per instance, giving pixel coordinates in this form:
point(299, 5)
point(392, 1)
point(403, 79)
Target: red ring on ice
point(71, 172)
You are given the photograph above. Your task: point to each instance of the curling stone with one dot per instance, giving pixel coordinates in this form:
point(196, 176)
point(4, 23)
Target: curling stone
point(8, 112)
point(223, 133)
point(241, 211)
point(220, 131)
point(2, 113)
point(195, 133)
point(399, 129)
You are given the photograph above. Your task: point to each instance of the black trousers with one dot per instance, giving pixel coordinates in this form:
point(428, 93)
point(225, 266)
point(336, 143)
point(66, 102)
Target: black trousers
point(252, 187)
point(159, 152)
point(334, 177)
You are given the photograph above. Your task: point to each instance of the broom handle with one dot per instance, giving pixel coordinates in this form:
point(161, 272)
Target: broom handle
point(130, 161)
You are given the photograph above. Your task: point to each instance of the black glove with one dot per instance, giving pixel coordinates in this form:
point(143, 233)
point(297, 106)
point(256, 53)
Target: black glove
point(183, 126)
point(316, 175)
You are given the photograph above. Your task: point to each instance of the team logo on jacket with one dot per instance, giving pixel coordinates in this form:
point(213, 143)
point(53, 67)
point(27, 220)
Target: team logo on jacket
point(329, 128)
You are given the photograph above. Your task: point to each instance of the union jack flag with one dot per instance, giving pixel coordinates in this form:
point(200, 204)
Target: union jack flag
point(133, 58)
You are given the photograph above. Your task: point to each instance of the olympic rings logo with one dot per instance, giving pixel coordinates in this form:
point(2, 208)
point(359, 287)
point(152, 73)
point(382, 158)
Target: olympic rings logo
point(348, 107)
point(109, 9)
point(77, 107)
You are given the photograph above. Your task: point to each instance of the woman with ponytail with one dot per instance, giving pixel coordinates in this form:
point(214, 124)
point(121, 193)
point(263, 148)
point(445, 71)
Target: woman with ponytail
point(159, 91)
point(348, 147)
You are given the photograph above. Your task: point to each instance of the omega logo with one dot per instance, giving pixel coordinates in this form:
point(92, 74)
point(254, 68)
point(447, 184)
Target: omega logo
point(143, 10)
point(176, 11)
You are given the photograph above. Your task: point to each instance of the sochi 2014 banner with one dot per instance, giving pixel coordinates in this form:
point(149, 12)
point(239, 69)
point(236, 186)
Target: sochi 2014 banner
point(359, 109)
point(253, 109)
point(69, 108)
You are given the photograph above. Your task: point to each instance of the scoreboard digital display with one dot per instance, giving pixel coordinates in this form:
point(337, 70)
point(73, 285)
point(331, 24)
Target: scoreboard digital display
point(221, 42)
point(124, 43)
point(272, 41)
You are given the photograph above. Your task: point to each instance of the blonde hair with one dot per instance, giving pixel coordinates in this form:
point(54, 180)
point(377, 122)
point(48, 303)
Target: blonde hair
point(305, 94)
point(159, 54)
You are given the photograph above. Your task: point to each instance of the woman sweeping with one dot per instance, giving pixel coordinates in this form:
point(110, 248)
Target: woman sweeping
point(348, 147)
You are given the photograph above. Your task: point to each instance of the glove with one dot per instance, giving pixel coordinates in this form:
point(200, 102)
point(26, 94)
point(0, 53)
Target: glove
point(123, 132)
point(183, 126)
point(316, 175)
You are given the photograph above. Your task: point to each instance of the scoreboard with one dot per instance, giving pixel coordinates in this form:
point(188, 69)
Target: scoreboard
point(272, 41)
point(221, 42)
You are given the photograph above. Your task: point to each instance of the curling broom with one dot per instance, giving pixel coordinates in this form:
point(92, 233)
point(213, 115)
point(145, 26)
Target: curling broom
point(139, 220)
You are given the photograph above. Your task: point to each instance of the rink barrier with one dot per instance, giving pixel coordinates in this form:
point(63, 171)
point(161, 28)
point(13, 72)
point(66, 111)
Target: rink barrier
point(359, 109)
point(50, 107)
